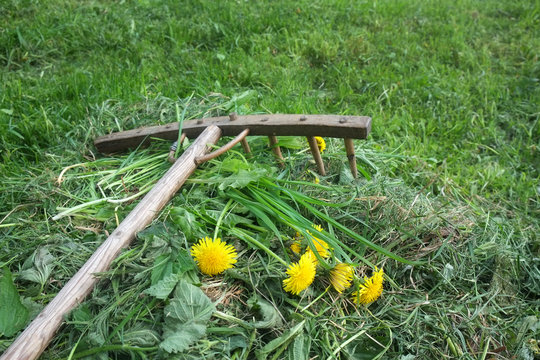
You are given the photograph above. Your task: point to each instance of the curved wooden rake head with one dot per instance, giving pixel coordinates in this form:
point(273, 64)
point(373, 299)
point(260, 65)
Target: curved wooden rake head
point(336, 126)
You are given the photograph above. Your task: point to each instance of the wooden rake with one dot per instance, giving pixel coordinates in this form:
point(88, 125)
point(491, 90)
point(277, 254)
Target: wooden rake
point(35, 338)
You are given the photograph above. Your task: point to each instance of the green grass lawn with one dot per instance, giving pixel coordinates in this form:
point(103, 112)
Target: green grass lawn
point(453, 90)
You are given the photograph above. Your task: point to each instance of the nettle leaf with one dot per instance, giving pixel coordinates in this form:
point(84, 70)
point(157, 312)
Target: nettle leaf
point(163, 287)
point(161, 269)
point(13, 314)
point(43, 266)
point(140, 335)
point(186, 221)
point(183, 263)
point(186, 317)
point(166, 273)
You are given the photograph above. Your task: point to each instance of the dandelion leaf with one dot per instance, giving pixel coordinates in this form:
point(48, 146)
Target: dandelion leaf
point(242, 178)
point(185, 318)
point(280, 341)
point(268, 313)
point(300, 348)
point(13, 314)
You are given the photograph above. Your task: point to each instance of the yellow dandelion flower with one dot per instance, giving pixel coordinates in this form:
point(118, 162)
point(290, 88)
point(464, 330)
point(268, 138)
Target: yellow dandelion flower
point(320, 245)
point(371, 289)
point(321, 144)
point(301, 275)
point(296, 247)
point(341, 276)
point(213, 256)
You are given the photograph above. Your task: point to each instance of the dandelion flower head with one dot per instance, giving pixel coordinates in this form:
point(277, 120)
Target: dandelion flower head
point(296, 247)
point(321, 144)
point(320, 245)
point(341, 276)
point(301, 275)
point(213, 256)
point(371, 289)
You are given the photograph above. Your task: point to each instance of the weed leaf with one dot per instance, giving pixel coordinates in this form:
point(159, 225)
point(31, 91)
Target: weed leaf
point(164, 287)
point(43, 265)
point(13, 314)
point(186, 317)
point(162, 268)
point(282, 340)
point(270, 316)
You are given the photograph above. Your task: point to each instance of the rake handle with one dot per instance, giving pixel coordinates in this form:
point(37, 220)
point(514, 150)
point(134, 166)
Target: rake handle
point(35, 338)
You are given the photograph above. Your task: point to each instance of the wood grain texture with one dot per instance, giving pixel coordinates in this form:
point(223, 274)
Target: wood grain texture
point(35, 338)
point(338, 126)
point(316, 154)
point(349, 148)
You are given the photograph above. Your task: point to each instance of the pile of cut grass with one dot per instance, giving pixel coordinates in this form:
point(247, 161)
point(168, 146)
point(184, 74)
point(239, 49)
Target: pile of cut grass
point(452, 88)
point(463, 299)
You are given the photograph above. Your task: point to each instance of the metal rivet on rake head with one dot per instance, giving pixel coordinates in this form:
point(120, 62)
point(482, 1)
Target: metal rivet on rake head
point(233, 116)
point(303, 118)
point(342, 120)
point(199, 121)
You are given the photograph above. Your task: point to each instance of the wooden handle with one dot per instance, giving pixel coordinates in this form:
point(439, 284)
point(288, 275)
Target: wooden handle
point(35, 338)
point(337, 126)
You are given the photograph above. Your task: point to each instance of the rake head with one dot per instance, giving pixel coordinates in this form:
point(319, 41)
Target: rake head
point(240, 126)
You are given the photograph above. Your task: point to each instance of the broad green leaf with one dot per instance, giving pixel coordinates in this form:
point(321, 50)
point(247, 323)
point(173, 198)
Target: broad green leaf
point(178, 338)
point(163, 287)
point(166, 274)
point(140, 335)
point(183, 263)
point(43, 265)
point(233, 165)
point(162, 268)
point(13, 314)
point(186, 221)
point(241, 179)
point(185, 317)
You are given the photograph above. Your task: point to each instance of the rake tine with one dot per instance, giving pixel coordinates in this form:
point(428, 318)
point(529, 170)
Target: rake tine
point(349, 148)
point(277, 151)
point(232, 117)
point(316, 154)
point(173, 148)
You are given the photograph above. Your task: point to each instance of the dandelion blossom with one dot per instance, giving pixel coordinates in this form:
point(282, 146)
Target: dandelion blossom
point(296, 247)
point(321, 144)
point(320, 245)
point(213, 256)
point(371, 289)
point(341, 276)
point(301, 275)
